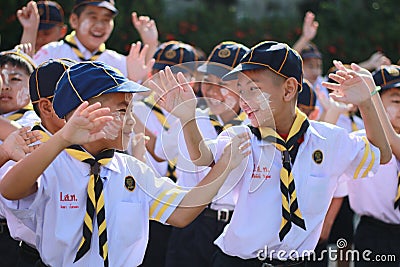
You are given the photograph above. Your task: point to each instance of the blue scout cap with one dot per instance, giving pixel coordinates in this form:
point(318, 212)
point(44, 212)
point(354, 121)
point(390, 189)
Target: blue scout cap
point(86, 80)
point(19, 53)
point(277, 57)
point(223, 58)
point(387, 77)
point(310, 51)
point(51, 14)
point(307, 97)
point(109, 4)
point(173, 53)
point(44, 78)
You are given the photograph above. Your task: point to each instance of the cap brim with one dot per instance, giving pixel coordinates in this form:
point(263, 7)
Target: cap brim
point(392, 85)
point(127, 87)
point(187, 67)
point(212, 68)
point(104, 4)
point(232, 75)
point(46, 26)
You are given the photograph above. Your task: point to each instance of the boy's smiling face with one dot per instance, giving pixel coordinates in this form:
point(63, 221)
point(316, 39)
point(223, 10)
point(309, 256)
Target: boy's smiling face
point(15, 93)
point(221, 96)
point(93, 27)
point(260, 96)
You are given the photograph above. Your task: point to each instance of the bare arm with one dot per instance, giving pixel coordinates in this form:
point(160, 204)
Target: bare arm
point(83, 127)
point(310, 29)
point(353, 89)
point(393, 137)
point(376, 60)
point(29, 18)
point(7, 127)
point(198, 198)
point(148, 33)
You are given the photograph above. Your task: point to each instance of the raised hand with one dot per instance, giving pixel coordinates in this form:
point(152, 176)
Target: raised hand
point(310, 26)
point(17, 144)
point(329, 105)
point(146, 28)
point(86, 124)
point(29, 16)
point(236, 150)
point(175, 95)
point(351, 87)
point(136, 63)
point(363, 72)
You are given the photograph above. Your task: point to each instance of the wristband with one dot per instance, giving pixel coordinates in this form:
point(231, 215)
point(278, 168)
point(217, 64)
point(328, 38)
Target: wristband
point(377, 89)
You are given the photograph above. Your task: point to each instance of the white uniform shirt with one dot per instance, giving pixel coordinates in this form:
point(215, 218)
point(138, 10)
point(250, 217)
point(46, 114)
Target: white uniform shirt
point(17, 229)
point(62, 50)
point(256, 221)
point(58, 210)
point(375, 197)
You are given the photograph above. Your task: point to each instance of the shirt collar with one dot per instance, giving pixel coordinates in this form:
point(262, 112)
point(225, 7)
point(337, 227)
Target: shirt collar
point(85, 52)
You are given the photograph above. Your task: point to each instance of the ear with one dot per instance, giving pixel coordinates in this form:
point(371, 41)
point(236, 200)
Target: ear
point(45, 107)
point(290, 86)
point(73, 21)
point(63, 31)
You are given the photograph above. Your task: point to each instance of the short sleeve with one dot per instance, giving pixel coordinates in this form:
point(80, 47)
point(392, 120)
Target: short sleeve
point(163, 194)
point(364, 156)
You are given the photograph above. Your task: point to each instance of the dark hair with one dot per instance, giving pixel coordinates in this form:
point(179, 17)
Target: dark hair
point(16, 61)
point(79, 9)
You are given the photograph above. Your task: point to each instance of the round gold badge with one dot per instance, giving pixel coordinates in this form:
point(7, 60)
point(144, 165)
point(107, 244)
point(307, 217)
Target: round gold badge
point(224, 53)
point(318, 156)
point(170, 54)
point(130, 183)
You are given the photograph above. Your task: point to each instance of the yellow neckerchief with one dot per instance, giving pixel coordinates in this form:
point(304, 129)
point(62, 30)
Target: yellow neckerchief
point(70, 40)
point(20, 113)
point(290, 208)
point(95, 201)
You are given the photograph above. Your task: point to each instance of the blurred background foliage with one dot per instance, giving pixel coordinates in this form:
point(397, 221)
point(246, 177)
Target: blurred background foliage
point(350, 30)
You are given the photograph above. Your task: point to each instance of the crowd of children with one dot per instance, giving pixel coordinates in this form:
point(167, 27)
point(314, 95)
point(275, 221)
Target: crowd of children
point(249, 156)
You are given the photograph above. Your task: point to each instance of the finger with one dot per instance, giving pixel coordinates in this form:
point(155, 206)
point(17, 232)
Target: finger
point(158, 91)
point(144, 51)
point(164, 80)
point(332, 86)
point(135, 18)
point(337, 78)
point(32, 148)
point(183, 82)
point(144, 18)
point(81, 108)
point(150, 64)
point(171, 81)
point(101, 112)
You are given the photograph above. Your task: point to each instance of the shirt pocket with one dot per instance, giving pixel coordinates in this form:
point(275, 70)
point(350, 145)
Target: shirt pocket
point(317, 195)
point(129, 220)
